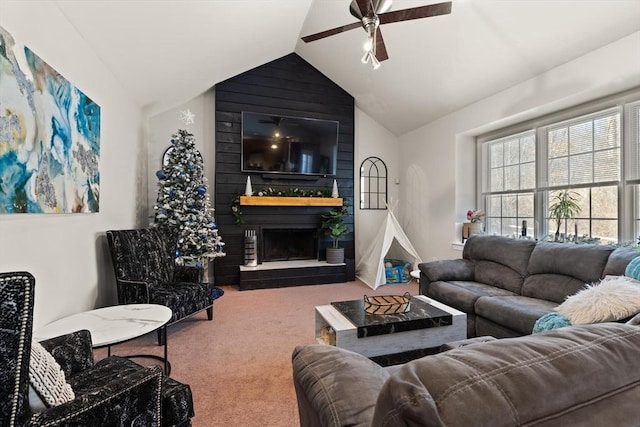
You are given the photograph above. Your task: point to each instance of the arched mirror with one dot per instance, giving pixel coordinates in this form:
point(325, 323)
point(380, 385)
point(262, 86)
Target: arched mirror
point(165, 156)
point(373, 184)
point(167, 152)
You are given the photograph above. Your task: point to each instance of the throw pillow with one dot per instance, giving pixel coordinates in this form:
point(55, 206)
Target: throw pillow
point(614, 298)
point(550, 321)
point(633, 269)
point(47, 384)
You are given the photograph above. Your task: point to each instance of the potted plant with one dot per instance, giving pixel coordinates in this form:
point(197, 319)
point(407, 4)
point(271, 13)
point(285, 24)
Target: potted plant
point(565, 206)
point(333, 226)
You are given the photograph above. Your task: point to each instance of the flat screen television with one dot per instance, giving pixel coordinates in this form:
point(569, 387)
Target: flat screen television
point(277, 144)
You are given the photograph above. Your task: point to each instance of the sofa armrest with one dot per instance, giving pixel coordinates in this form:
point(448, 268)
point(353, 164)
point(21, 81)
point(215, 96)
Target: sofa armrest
point(133, 398)
point(132, 291)
point(73, 352)
point(335, 387)
point(445, 270)
point(451, 269)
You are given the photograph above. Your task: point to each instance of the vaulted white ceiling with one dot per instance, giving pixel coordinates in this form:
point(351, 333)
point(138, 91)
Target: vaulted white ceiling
point(166, 52)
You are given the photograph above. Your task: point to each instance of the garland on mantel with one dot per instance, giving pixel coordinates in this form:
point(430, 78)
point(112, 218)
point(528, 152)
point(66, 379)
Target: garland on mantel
point(269, 191)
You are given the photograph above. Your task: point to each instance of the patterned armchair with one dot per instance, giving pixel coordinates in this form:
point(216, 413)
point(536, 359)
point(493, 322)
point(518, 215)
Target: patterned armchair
point(104, 393)
point(143, 261)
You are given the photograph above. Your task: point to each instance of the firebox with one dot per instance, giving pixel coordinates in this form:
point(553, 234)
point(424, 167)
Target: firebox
point(287, 244)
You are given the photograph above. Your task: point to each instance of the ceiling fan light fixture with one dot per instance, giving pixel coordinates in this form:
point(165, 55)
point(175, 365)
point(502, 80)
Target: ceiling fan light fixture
point(368, 43)
point(374, 62)
point(371, 25)
point(369, 56)
point(365, 57)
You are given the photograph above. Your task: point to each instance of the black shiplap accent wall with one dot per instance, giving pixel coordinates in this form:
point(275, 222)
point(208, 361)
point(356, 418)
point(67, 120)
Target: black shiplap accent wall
point(287, 86)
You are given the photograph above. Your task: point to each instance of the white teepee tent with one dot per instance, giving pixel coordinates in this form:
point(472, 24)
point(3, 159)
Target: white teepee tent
point(391, 242)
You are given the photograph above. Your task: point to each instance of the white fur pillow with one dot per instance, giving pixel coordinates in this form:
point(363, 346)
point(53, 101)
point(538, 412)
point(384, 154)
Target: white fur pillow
point(614, 298)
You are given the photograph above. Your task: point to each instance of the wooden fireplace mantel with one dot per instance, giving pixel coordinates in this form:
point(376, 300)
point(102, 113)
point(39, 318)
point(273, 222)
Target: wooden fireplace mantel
point(289, 201)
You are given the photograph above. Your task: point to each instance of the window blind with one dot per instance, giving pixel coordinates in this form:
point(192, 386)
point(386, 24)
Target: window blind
point(633, 136)
point(512, 163)
point(584, 151)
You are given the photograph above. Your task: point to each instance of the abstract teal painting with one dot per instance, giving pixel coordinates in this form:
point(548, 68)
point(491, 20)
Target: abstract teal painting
point(49, 137)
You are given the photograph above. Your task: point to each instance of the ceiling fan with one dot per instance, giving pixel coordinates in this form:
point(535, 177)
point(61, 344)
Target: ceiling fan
point(372, 14)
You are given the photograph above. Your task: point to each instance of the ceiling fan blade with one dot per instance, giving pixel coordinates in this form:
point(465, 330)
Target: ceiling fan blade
point(381, 49)
point(331, 32)
point(415, 13)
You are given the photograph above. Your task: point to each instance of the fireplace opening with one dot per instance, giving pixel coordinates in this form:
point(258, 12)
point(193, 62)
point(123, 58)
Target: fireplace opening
point(287, 244)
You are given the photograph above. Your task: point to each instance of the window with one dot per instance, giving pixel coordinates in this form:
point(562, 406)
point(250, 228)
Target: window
point(511, 177)
point(584, 154)
point(595, 156)
point(632, 174)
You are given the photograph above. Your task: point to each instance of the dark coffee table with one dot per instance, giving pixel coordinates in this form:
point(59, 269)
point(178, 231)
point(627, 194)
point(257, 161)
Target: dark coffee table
point(428, 324)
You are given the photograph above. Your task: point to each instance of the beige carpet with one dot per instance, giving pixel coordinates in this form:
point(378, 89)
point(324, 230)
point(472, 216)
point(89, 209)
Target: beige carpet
point(239, 364)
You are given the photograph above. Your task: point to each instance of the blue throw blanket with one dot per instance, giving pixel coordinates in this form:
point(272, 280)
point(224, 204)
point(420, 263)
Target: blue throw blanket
point(550, 321)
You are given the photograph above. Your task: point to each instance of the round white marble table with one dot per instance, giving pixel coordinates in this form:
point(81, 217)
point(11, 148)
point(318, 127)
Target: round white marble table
point(113, 325)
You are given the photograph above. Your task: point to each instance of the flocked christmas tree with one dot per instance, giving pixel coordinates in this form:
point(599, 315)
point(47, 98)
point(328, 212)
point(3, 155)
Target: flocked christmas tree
point(183, 204)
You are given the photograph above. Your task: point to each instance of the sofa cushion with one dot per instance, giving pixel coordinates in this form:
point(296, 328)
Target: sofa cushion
point(515, 312)
point(337, 386)
point(499, 261)
point(511, 253)
point(498, 275)
point(618, 261)
point(580, 375)
point(462, 295)
point(551, 287)
point(584, 262)
point(182, 298)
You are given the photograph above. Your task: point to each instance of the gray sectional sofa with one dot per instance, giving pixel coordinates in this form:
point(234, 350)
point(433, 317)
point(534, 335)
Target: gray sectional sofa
point(504, 285)
point(577, 376)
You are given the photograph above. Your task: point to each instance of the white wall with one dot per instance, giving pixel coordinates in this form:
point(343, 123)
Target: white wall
point(67, 253)
point(371, 139)
point(438, 159)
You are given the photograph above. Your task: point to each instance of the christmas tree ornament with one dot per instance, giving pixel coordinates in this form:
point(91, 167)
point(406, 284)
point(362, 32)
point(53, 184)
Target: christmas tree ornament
point(161, 174)
point(187, 117)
